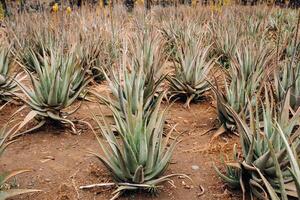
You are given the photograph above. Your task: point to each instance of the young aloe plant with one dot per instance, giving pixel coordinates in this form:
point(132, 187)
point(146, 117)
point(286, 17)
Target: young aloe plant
point(227, 38)
point(191, 71)
point(246, 75)
point(147, 51)
point(90, 53)
point(141, 154)
point(58, 83)
point(131, 87)
point(5, 176)
point(264, 152)
point(8, 87)
point(254, 26)
point(131, 82)
point(287, 77)
point(172, 32)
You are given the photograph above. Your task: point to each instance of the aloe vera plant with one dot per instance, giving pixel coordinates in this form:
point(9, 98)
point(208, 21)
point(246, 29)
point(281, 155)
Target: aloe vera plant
point(289, 48)
point(243, 81)
point(135, 78)
point(147, 50)
point(191, 71)
point(254, 25)
point(264, 152)
point(5, 176)
point(227, 38)
point(58, 83)
point(171, 32)
point(140, 156)
point(90, 53)
point(8, 87)
point(131, 87)
point(287, 77)
point(287, 73)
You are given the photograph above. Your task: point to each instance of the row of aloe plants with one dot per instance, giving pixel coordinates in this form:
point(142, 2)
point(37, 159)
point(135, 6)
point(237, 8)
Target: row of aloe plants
point(261, 105)
point(268, 130)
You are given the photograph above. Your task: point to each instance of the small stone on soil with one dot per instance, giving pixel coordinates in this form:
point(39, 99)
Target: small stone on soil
point(195, 167)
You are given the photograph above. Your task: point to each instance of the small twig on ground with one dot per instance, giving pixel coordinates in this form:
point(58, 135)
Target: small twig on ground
point(202, 191)
point(97, 185)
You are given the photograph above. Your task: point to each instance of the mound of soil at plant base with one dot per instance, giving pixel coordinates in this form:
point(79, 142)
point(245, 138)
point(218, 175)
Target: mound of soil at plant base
point(60, 163)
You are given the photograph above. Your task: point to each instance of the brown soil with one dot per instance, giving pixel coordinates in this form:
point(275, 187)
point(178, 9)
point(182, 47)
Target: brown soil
point(60, 162)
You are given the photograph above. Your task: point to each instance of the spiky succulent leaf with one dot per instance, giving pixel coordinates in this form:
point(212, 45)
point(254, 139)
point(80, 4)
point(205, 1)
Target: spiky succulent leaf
point(8, 87)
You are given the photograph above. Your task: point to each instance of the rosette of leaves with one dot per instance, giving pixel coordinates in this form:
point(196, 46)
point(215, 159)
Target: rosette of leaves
point(193, 65)
point(254, 26)
point(138, 158)
point(294, 166)
point(242, 82)
point(226, 40)
point(58, 82)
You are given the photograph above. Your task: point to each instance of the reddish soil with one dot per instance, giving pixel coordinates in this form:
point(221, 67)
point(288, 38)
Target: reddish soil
point(60, 163)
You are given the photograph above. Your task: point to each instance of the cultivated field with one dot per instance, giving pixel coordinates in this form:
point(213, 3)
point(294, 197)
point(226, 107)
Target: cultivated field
point(178, 102)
